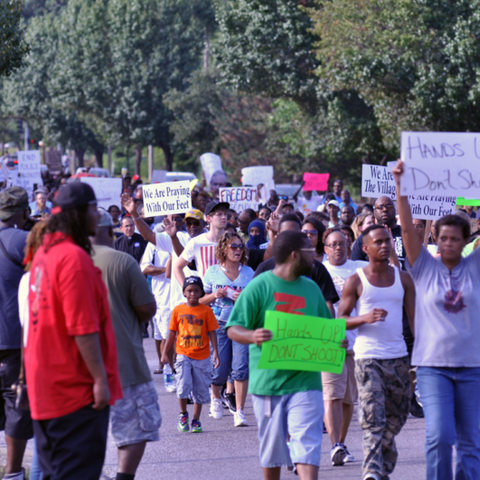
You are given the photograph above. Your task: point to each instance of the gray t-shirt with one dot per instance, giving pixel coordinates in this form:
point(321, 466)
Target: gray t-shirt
point(127, 287)
point(447, 312)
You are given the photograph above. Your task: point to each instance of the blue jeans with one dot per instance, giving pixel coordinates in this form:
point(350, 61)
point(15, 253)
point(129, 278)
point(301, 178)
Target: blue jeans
point(233, 359)
point(35, 472)
point(451, 404)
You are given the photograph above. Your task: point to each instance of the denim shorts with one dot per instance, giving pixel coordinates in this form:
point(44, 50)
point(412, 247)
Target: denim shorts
point(193, 376)
point(233, 359)
point(136, 417)
point(298, 414)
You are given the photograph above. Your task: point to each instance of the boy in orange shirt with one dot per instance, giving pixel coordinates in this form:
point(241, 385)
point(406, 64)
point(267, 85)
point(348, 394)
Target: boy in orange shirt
point(195, 325)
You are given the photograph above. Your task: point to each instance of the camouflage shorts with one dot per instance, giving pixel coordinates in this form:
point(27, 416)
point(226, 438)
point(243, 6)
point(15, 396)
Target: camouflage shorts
point(383, 406)
point(136, 417)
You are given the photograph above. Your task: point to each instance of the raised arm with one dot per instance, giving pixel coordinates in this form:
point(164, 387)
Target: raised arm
point(145, 231)
point(411, 241)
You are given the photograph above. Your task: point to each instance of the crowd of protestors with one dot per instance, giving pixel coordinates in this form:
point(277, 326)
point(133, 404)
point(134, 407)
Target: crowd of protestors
point(80, 285)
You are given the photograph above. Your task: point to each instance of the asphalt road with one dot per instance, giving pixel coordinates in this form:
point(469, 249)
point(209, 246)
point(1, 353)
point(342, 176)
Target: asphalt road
point(225, 452)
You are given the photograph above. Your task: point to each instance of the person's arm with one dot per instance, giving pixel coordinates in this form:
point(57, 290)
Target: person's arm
point(245, 336)
point(171, 231)
point(295, 195)
point(409, 299)
point(180, 264)
point(411, 241)
point(209, 298)
point(272, 227)
point(144, 230)
point(153, 271)
point(168, 268)
point(168, 344)
point(213, 339)
point(91, 352)
point(347, 304)
point(145, 312)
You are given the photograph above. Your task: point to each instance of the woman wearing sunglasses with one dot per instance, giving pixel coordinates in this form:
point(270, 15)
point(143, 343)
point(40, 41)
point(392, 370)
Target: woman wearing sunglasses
point(222, 284)
point(314, 229)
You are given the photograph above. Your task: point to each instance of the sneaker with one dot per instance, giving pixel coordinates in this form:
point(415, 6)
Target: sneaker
point(415, 409)
point(196, 426)
point(216, 409)
point(239, 419)
point(337, 454)
point(371, 476)
point(348, 457)
point(16, 476)
point(230, 402)
point(183, 422)
point(170, 383)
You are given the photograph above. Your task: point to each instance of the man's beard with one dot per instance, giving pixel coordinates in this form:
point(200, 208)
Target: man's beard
point(303, 268)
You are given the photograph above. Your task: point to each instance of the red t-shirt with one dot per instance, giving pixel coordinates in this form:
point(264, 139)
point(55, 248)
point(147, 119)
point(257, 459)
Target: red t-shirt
point(67, 298)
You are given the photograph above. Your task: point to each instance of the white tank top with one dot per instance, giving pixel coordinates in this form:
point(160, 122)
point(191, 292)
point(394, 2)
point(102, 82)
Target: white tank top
point(382, 340)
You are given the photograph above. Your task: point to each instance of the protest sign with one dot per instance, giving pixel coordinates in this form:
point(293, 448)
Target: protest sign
point(239, 198)
point(107, 190)
point(211, 163)
point(54, 159)
point(167, 198)
point(303, 343)
point(29, 173)
point(315, 181)
point(159, 176)
point(378, 181)
point(254, 176)
point(468, 202)
point(441, 163)
point(431, 207)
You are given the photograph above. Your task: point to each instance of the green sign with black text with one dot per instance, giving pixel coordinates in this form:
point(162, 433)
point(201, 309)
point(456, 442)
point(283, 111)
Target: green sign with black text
point(303, 343)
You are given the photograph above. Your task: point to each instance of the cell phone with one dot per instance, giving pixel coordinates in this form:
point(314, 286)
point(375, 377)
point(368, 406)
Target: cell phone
point(230, 292)
point(283, 197)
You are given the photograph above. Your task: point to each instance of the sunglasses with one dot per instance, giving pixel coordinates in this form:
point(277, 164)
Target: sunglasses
point(310, 232)
point(194, 223)
point(235, 246)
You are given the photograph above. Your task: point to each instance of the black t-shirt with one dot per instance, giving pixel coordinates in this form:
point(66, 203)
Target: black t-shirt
point(255, 258)
point(359, 254)
point(319, 275)
point(134, 246)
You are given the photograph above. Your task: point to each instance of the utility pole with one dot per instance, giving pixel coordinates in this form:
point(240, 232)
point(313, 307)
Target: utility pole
point(150, 163)
point(27, 136)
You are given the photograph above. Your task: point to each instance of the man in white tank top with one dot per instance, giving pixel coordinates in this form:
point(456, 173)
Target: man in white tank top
point(378, 293)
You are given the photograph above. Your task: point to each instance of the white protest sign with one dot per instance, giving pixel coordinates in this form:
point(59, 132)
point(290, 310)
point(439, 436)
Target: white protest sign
point(239, 198)
point(431, 207)
point(211, 163)
point(107, 190)
point(377, 181)
point(253, 176)
point(159, 176)
point(441, 163)
point(167, 198)
point(29, 170)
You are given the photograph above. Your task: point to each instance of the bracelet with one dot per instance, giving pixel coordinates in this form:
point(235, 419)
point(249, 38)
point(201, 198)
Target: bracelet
point(135, 219)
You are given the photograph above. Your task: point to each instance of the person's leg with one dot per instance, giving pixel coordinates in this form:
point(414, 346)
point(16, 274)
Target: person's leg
point(183, 404)
point(197, 411)
point(437, 392)
point(397, 407)
point(129, 457)
point(333, 419)
point(159, 348)
point(347, 410)
point(15, 452)
point(35, 471)
point(371, 413)
point(307, 472)
point(241, 390)
point(201, 379)
point(467, 416)
point(240, 354)
point(220, 374)
point(350, 397)
point(271, 473)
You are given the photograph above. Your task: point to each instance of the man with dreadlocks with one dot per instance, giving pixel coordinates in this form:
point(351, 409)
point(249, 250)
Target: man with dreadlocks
point(70, 357)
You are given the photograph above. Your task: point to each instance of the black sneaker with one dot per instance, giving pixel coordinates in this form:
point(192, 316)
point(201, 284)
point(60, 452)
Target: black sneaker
point(415, 409)
point(230, 402)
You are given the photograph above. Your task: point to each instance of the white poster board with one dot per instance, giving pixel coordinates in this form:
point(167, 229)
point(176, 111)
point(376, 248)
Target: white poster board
point(167, 198)
point(441, 163)
point(29, 170)
point(239, 198)
point(159, 176)
point(378, 181)
point(107, 190)
point(211, 163)
point(254, 176)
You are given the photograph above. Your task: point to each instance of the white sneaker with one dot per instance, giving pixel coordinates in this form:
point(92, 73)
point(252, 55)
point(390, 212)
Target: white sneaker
point(216, 409)
point(337, 454)
point(239, 419)
point(16, 476)
point(348, 457)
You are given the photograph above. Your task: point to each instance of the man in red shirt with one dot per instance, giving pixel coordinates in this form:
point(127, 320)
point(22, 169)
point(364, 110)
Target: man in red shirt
point(71, 357)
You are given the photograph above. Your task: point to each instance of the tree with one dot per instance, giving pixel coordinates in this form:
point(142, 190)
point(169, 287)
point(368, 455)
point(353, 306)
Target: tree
point(12, 46)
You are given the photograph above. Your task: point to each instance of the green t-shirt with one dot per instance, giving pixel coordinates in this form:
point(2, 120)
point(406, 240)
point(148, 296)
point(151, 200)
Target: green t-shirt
point(269, 292)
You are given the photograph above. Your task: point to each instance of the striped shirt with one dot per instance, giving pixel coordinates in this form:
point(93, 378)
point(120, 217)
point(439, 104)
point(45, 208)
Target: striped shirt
point(202, 250)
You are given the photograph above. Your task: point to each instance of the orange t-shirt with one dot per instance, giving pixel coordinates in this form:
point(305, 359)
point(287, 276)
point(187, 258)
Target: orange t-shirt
point(193, 325)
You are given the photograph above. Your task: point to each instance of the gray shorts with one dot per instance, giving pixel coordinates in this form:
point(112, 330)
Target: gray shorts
point(193, 376)
point(136, 417)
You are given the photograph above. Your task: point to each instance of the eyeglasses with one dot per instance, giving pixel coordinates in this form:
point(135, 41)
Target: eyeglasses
point(384, 207)
point(310, 232)
point(192, 223)
point(311, 249)
point(337, 245)
point(237, 246)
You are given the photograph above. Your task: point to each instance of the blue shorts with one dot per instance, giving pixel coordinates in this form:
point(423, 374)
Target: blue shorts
point(193, 376)
point(298, 414)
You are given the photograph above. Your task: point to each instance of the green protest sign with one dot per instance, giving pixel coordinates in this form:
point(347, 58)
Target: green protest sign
point(467, 202)
point(303, 343)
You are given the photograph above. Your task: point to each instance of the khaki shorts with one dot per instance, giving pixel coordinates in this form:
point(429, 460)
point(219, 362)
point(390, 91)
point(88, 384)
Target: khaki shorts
point(342, 386)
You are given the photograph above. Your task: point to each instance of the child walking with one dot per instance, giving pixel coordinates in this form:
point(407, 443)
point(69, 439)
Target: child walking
point(194, 325)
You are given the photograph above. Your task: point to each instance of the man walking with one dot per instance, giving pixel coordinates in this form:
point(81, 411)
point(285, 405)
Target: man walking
point(16, 423)
point(136, 417)
point(71, 356)
point(378, 293)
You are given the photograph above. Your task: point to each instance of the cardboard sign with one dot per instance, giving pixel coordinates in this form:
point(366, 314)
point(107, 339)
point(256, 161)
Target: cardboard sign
point(54, 159)
point(239, 198)
point(303, 343)
point(441, 163)
point(315, 181)
point(107, 190)
point(167, 198)
point(254, 176)
point(211, 163)
point(159, 176)
point(378, 181)
point(29, 173)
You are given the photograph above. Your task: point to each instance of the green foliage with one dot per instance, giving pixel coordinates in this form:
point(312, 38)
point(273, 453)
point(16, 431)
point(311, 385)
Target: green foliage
point(12, 46)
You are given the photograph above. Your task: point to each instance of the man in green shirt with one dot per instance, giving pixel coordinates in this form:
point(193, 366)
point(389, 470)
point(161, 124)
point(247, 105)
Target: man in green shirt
point(283, 397)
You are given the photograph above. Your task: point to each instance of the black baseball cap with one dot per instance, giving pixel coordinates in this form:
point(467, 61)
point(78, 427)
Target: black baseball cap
point(215, 205)
point(193, 281)
point(75, 194)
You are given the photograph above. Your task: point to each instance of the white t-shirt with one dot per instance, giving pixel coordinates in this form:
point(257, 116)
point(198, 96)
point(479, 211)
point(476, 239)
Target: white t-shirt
point(23, 310)
point(164, 242)
point(307, 206)
point(160, 283)
point(203, 251)
point(339, 276)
